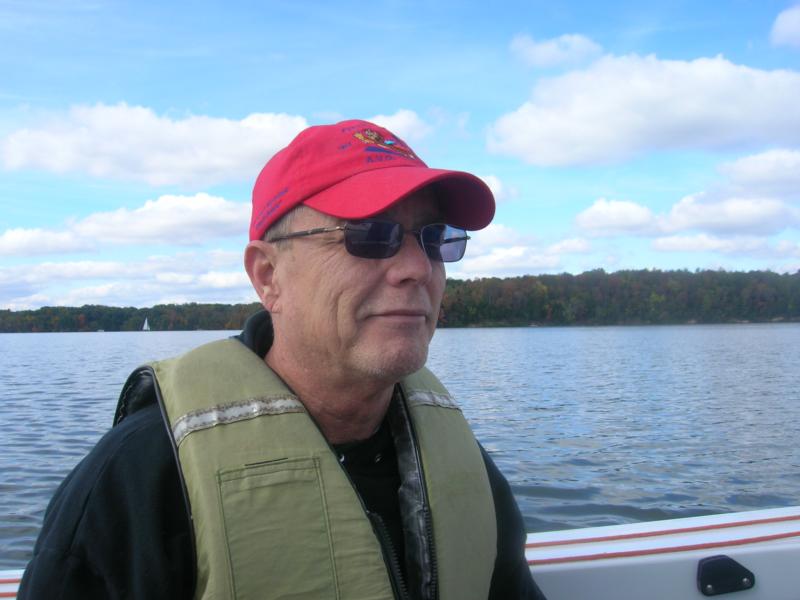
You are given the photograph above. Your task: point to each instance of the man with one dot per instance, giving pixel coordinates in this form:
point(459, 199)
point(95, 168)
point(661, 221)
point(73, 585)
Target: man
point(312, 456)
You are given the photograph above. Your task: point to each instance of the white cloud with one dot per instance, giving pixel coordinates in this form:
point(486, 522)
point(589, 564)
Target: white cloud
point(404, 123)
point(787, 248)
point(104, 293)
point(219, 259)
point(774, 171)
point(55, 283)
point(569, 246)
point(563, 50)
point(182, 220)
point(29, 242)
point(496, 235)
point(500, 250)
point(509, 260)
point(786, 28)
point(168, 220)
point(731, 215)
point(624, 106)
point(224, 280)
point(125, 293)
point(84, 270)
point(180, 278)
point(133, 143)
point(614, 217)
point(170, 278)
point(114, 293)
point(26, 302)
point(501, 191)
point(707, 243)
point(727, 215)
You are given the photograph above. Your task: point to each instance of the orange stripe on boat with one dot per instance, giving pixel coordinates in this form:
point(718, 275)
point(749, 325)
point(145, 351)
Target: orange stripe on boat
point(645, 534)
point(686, 548)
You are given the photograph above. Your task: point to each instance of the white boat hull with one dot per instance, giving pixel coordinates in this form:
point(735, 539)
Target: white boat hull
point(659, 560)
point(9, 583)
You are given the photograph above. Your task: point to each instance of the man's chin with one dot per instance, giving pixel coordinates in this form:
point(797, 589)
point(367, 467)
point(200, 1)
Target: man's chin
point(393, 364)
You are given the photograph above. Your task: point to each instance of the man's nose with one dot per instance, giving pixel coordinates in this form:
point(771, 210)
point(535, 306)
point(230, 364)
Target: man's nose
point(411, 261)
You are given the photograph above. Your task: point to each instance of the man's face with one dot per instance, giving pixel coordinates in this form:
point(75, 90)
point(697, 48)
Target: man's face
point(354, 318)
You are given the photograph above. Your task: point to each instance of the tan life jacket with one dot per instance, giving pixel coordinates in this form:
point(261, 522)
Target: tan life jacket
point(275, 515)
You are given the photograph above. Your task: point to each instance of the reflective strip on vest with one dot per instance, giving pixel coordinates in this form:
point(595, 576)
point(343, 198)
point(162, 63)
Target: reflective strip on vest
point(273, 511)
point(230, 413)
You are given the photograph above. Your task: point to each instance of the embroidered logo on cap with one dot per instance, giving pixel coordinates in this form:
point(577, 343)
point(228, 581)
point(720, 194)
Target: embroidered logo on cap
point(372, 137)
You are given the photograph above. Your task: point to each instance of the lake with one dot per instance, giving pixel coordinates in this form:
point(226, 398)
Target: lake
point(592, 426)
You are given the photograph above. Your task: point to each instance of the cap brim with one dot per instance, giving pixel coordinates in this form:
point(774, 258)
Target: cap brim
point(466, 201)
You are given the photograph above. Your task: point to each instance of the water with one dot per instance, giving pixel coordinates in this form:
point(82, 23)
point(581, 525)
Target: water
point(592, 426)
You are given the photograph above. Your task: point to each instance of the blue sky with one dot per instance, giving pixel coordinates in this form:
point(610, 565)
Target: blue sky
point(616, 135)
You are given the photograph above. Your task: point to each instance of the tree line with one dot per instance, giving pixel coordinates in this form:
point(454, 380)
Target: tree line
point(591, 298)
point(162, 317)
point(641, 297)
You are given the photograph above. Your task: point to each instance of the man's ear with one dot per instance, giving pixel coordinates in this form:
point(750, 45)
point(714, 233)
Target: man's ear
point(260, 264)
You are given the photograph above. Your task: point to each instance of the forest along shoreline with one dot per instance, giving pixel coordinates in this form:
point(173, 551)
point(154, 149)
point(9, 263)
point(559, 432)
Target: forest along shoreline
point(641, 297)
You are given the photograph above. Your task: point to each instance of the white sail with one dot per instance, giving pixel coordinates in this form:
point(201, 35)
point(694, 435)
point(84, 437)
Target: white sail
point(146, 326)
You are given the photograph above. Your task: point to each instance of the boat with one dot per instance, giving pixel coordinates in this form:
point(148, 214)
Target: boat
point(146, 326)
point(756, 553)
point(9, 583)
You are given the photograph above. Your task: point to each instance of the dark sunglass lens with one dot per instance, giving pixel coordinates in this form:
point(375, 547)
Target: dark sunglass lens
point(373, 239)
point(444, 242)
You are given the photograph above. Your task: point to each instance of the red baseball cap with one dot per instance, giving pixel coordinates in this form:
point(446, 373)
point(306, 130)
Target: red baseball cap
point(354, 170)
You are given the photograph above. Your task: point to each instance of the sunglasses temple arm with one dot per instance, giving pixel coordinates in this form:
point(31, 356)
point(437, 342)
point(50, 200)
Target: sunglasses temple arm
point(314, 231)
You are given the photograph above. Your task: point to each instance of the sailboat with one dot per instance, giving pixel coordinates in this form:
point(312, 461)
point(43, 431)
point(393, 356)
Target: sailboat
point(146, 326)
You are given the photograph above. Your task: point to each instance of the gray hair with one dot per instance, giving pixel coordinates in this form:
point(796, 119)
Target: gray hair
point(283, 226)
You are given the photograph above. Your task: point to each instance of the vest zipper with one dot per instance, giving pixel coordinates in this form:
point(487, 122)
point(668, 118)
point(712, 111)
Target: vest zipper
point(434, 564)
point(390, 557)
point(434, 567)
point(396, 579)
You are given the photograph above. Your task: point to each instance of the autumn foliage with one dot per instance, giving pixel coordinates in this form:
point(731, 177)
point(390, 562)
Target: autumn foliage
point(591, 298)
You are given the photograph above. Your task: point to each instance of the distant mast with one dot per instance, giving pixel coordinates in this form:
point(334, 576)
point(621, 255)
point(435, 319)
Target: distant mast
point(146, 326)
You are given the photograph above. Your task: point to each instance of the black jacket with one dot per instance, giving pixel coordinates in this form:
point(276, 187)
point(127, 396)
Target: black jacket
point(117, 526)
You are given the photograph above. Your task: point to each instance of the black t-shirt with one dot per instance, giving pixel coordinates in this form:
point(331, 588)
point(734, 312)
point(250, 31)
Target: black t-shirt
point(371, 465)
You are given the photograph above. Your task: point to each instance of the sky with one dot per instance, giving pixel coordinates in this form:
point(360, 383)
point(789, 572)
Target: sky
point(615, 135)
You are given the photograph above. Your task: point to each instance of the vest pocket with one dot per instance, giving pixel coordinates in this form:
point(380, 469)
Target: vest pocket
point(277, 530)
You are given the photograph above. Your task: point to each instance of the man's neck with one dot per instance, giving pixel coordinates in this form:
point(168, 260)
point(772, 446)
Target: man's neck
point(344, 411)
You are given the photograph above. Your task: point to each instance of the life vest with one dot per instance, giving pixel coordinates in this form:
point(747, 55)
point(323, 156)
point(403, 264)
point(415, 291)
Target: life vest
point(274, 513)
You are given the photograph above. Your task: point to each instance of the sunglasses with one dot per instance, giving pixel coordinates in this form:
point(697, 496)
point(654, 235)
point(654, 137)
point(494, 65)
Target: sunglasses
point(373, 238)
